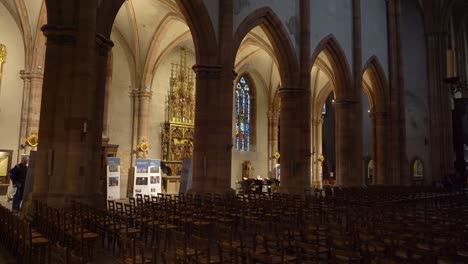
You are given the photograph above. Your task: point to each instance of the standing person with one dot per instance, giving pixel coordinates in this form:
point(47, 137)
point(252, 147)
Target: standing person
point(18, 177)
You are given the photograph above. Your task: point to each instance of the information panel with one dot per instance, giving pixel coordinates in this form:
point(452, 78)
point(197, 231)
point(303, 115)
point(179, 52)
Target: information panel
point(141, 179)
point(113, 178)
point(155, 180)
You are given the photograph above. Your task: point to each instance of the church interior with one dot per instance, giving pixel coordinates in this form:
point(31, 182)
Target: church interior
point(234, 131)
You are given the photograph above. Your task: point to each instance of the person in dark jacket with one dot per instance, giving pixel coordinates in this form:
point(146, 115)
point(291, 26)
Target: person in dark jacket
point(18, 177)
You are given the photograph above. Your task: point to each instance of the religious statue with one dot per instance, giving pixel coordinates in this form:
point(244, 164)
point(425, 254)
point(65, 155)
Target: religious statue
point(247, 169)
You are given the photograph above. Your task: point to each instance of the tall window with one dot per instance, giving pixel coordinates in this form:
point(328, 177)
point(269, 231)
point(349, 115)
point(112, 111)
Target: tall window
point(244, 115)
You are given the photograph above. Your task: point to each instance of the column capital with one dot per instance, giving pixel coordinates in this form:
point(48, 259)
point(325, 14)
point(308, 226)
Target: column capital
point(272, 115)
point(135, 92)
point(59, 35)
point(207, 71)
point(318, 121)
point(28, 75)
point(291, 91)
point(378, 115)
point(344, 102)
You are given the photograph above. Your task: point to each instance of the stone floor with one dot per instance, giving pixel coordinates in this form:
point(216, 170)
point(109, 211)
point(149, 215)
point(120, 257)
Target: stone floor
point(101, 255)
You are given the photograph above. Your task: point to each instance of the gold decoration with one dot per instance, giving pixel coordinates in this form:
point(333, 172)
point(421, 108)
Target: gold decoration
point(3, 54)
point(144, 146)
point(178, 131)
point(32, 140)
point(276, 155)
point(321, 158)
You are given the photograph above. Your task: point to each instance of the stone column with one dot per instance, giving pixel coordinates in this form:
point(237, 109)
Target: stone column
point(318, 127)
point(272, 140)
point(26, 77)
point(306, 100)
point(213, 132)
point(61, 43)
point(348, 143)
point(379, 120)
point(136, 106)
point(34, 107)
point(105, 133)
point(69, 155)
point(291, 155)
point(143, 118)
point(398, 169)
point(441, 143)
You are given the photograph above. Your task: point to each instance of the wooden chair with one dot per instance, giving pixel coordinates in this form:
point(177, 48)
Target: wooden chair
point(132, 252)
point(203, 252)
point(182, 251)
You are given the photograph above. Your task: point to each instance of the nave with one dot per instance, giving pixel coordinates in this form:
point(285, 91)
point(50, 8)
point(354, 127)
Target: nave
point(372, 225)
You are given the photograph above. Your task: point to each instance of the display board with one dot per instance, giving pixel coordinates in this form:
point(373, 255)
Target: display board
point(186, 175)
point(113, 178)
point(141, 179)
point(155, 180)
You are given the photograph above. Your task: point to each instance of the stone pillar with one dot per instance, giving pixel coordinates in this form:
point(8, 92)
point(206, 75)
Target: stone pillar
point(292, 167)
point(348, 136)
point(379, 120)
point(273, 117)
point(306, 99)
point(143, 118)
point(26, 77)
point(69, 155)
point(34, 107)
point(105, 133)
point(318, 173)
point(441, 145)
point(213, 132)
point(398, 169)
point(136, 106)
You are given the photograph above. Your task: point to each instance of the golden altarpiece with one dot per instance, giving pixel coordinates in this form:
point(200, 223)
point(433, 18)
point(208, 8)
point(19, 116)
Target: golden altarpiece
point(178, 130)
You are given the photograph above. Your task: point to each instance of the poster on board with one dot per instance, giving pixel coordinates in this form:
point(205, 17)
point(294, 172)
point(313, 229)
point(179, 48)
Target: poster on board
point(155, 180)
point(113, 178)
point(141, 179)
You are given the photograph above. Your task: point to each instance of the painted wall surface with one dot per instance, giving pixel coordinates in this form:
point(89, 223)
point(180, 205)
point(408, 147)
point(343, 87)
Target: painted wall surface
point(416, 93)
point(287, 12)
point(160, 87)
point(374, 31)
point(213, 9)
point(259, 154)
point(332, 17)
point(11, 86)
point(120, 106)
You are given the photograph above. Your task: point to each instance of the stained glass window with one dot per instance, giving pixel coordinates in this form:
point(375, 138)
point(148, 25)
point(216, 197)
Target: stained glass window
point(243, 114)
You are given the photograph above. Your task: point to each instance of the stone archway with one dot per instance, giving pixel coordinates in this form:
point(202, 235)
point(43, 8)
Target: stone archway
point(376, 87)
point(348, 110)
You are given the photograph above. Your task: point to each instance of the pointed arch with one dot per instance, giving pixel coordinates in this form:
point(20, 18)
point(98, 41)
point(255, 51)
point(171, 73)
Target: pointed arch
point(201, 27)
point(379, 87)
point(278, 36)
point(342, 73)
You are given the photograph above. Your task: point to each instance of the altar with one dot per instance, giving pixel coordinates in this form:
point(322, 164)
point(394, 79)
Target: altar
point(178, 130)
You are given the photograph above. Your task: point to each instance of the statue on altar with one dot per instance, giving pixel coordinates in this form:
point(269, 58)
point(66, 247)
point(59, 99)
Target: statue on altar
point(247, 169)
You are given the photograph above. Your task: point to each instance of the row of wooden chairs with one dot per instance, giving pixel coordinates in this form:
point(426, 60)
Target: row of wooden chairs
point(21, 240)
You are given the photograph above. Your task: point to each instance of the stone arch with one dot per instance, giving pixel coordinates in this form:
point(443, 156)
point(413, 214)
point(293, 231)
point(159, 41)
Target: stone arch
point(342, 74)
point(278, 36)
point(379, 89)
point(201, 27)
